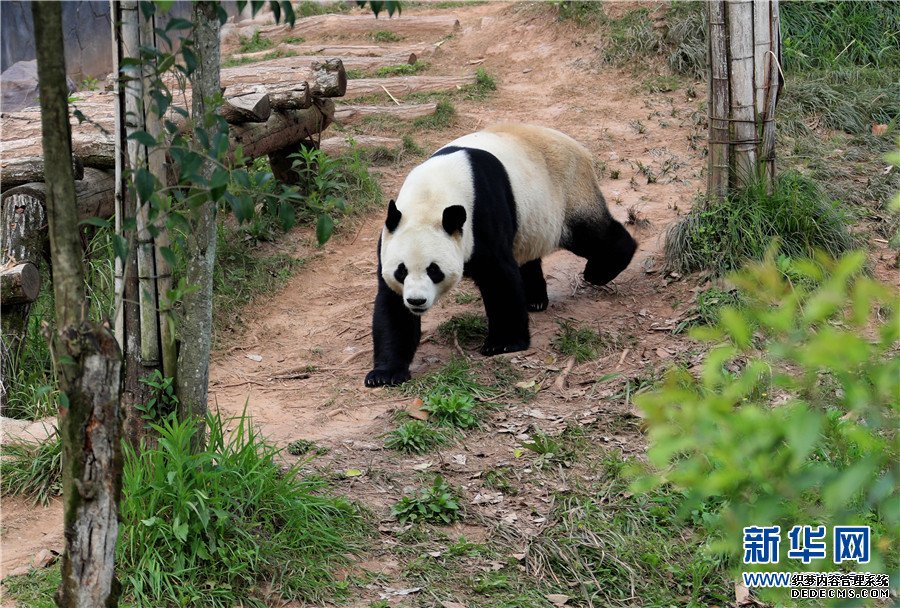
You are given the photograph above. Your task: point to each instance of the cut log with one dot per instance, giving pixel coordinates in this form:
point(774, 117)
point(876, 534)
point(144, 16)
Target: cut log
point(95, 196)
point(354, 63)
point(22, 170)
point(355, 50)
point(407, 84)
point(334, 146)
point(19, 284)
point(349, 114)
point(361, 25)
point(93, 150)
point(252, 107)
point(330, 78)
point(24, 226)
point(284, 96)
point(286, 70)
point(282, 130)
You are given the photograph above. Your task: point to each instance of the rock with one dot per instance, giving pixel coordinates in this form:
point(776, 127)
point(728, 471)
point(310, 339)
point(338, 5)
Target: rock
point(19, 86)
point(20, 571)
point(12, 429)
point(44, 558)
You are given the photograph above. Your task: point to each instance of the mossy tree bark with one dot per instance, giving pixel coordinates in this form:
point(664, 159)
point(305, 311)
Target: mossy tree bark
point(86, 353)
point(192, 375)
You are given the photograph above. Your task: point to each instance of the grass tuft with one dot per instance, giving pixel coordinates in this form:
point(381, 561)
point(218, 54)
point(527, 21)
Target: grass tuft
point(469, 329)
point(583, 343)
point(254, 43)
point(414, 437)
point(385, 36)
point(443, 117)
point(453, 409)
point(457, 376)
point(32, 469)
point(212, 528)
point(723, 235)
point(404, 69)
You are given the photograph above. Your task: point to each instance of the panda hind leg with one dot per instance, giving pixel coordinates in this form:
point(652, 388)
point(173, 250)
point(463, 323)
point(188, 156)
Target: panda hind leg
point(608, 249)
point(535, 285)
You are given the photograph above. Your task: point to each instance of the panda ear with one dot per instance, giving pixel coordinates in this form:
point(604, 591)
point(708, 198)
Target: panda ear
point(454, 218)
point(393, 217)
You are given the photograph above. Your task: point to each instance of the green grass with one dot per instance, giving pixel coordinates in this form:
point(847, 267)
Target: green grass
point(583, 343)
point(709, 305)
point(443, 117)
point(309, 8)
point(466, 297)
point(608, 546)
point(469, 329)
point(456, 376)
point(485, 84)
point(456, 410)
point(35, 589)
point(32, 469)
point(293, 40)
point(211, 528)
point(436, 504)
point(385, 36)
point(301, 447)
point(254, 43)
point(404, 69)
point(723, 235)
point(231, 62)
point(414, 437)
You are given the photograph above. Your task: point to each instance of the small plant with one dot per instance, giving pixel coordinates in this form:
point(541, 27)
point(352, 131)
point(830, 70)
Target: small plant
point(466, 297)
point(582, 343)
point(299, 447)
point(414, 437)
point(254, 43)
point(469, 329)
point(293, 40)
point(405, 69)
point(639, 127)
point(456, 376)
point(443, 116)
point(452, 409)
point(385, 36)
point(89, 84)
point(33, 469)
point(485, 84)
point(547, 448)
point(163, 401)
point(411, 147)
point(434, 504)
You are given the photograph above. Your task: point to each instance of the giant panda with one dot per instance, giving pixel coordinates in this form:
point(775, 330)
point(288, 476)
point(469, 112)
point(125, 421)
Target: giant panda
point(489, 206)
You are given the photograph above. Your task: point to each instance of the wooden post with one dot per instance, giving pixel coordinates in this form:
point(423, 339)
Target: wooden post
point(743, 105)
point(771, 88)
point(719, 104)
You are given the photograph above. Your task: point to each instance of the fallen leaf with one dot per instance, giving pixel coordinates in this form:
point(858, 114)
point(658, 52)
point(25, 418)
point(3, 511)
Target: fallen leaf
point(557, 599)
point(352, 473)
point(447, 604)
point(459, 459)
point(422, 466)
point(878, 130)
point(256, 358)
point(741, 594)
point(414, 409)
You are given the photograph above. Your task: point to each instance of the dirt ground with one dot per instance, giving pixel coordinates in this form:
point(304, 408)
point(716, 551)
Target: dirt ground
point(548, 73)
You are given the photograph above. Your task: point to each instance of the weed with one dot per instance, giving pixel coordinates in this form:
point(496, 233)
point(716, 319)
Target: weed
point(582, 343)
point(411, 147)
point(647, 171)
point(443, 116)
point(208, 528)
point(635, 219)
point(293, 40)
point(299, 447)
point(231, 62)
point(356, 73)
point(638, 126)
point(485, 84)
point(33, 469)
point(548, 449)
point(498, 479)
point(582, 12)
point(405, 69)
point(661, 84)
point(89, 84)
point(722, 235)
point(452, 409)
point(254, 43)
point(385, 36)
point(631, 36)
point(35, 589)
point(456, 376)
point(309, 8)
point(466, 297)
point(434, 504)
point(414, 437)
point(163, 400)
point(469, 329)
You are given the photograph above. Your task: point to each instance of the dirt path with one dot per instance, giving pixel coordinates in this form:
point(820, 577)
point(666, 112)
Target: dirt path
point(548, 73)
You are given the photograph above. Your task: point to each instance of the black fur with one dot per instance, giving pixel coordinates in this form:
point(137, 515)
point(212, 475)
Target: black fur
point(608, 248)
point(435, 273)
point(454, 219)
point(535, 285)
point(401, 273)
point(393, 217)
point(395, 332)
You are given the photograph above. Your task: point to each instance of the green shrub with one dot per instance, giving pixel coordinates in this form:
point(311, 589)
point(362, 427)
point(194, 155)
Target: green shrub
point(793, 417)
point(434, 504)
point(32, 469)
point(723, 235)
point(414, 437)
point(254, 43)
point(210, 528)
point(452, 409)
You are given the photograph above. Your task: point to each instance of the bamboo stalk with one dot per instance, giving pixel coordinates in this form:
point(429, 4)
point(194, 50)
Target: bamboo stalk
point(739, 15)
point(717, 179)
point(772, 88)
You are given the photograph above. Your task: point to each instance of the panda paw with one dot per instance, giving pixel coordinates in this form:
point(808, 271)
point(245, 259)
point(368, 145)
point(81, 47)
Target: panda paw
point(386, 377)
point(538, 306)
point(490, 349)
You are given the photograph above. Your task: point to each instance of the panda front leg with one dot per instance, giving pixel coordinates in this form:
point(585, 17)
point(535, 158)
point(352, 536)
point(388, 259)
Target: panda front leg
point(503, 293)
point(395, 333)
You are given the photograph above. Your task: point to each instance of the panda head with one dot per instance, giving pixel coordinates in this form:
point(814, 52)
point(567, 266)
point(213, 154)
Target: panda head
point(422, 257)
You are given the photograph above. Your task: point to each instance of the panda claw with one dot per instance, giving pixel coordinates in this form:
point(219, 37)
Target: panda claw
point(379, 377)
point(537, 306)
point(489, 350)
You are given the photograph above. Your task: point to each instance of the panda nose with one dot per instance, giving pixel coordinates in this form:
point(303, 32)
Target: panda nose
point(415, 301)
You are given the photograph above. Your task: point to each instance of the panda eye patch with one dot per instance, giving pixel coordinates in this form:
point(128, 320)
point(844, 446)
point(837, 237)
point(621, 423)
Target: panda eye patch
point(400, 273)
point(435, 273)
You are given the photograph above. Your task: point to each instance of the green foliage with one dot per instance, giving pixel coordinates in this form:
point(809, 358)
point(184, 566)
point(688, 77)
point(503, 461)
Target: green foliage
point(468, 328)
point(582, 12)
point(466, 297)
point(294, 39)
point(485, 84)
point(404, 69)
point(163, 400)
point(710, 303)
point(89, 83)
point(455, 377)
point(549, 449)
point(300, 447)
point(209, 528)
point(443, 116)
point(608, 546)
point(308, 8)
point(32, 469)
point(385, 36)
point(583, 343)
point(723, 235)
point(35, 589)
point(254, 43)
point(833, 34)
point(231, 62)
point(414, 437)
point(452, 409)
point(801, 429)
point(434, 504)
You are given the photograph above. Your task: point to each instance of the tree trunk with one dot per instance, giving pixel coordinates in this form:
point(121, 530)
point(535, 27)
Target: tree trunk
point(192, 377)
point(87, 356)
